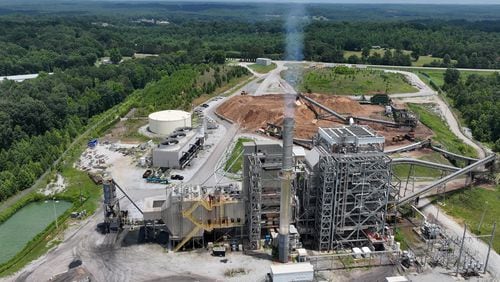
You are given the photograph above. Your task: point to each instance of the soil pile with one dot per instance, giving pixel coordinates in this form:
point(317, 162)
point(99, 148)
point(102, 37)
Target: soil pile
point(254, 112)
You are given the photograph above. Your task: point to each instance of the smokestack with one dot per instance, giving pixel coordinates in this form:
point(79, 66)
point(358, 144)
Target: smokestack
point(286, 176)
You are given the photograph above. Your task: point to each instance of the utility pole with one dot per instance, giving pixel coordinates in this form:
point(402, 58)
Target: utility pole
point(55, 213)
point(489, 246)
point(482, 218)
point(461, 250)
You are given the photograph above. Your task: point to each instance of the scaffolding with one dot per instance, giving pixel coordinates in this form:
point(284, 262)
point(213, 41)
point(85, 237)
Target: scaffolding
point(347, 190)
point(262, 185)
point(255, 191)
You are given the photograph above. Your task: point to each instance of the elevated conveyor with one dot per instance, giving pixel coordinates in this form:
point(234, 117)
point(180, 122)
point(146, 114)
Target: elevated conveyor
point(343, 118)
point(410, 147)
point(324, 108)
point(453, 155)
point(448, 178)
point(418, 162)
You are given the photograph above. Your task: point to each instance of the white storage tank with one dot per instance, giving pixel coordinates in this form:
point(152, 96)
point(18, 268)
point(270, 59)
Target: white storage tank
point(165, 122)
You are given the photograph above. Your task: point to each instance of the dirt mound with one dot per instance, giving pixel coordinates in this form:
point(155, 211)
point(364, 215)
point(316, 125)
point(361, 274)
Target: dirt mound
point(254, 112)
point(341, 104)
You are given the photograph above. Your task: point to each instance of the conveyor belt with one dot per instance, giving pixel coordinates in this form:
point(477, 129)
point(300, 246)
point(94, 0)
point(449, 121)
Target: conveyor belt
point(326, 109)
point(424, 163)
point(453, 155)
point(130, 199)
point(445, 179)
point(410, 147)
point(386, 122)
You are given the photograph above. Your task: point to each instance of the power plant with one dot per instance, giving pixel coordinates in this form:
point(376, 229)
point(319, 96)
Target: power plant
point(338, 197)
point(335, 196)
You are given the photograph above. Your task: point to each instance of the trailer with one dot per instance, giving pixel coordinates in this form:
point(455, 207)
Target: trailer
point(303, 271)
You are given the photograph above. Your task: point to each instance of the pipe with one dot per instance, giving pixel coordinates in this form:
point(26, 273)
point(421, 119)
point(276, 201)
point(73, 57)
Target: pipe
point(286, 176)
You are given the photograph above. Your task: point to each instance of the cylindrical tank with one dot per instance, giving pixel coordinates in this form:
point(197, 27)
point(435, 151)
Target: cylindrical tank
point(165, 122)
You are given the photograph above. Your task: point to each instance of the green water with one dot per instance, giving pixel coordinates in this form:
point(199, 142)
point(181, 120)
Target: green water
point(25, 224)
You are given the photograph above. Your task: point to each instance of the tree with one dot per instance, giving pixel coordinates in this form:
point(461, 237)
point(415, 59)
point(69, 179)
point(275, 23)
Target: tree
point(353, 59)
point(446, 60)
point(387, 58)
point(115, 56)
point(365, 53)
point(451, 76)
point(218, 57)
point(416, 52)
point(463, 61)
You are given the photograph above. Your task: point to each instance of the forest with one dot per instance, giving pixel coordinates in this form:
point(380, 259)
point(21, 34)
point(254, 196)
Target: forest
point(478, 99)
point(39, 118)
point(44, 43)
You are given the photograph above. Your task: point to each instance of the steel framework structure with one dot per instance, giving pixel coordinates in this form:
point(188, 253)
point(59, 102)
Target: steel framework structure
point(263, 206)
point(354, 192)
point(255, 206)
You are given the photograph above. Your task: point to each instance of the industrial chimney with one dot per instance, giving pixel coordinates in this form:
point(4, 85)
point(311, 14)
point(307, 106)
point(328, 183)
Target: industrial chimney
point(286, 176)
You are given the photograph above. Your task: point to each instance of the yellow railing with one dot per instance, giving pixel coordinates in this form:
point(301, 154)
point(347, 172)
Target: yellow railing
point(219, 223)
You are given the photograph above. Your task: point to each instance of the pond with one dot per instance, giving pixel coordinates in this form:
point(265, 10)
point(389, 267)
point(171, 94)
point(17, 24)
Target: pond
point(26, 223)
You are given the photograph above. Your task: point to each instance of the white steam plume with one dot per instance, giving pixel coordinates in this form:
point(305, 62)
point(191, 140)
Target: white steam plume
point(294, 51)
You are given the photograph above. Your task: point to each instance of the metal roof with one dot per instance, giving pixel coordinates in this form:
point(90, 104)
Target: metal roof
point(291, 268)
point(169, 115)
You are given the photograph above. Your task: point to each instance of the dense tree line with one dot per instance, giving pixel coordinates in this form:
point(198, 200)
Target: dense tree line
point(478, 99)
point(456, 40)
point(39, 118)
point(30, 45)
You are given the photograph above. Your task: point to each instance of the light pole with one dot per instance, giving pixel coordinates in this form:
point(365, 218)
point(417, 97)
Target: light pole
point(482, 218)
point(55, 214)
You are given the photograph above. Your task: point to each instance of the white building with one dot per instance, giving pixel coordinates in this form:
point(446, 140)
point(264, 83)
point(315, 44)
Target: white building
point(263, 61)
point(303, 271)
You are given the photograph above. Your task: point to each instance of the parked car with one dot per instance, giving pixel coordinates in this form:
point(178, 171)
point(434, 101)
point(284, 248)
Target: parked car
point(205, 105)
point(176, 177)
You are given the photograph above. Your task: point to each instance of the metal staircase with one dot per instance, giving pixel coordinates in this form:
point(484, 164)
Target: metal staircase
point(220, 222)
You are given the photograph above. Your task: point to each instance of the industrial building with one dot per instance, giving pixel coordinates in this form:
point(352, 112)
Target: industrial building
point(188, 212)
point(339, 195)
point(346, 190)
point(164, 123)
point(180, 147)
point(263, 61)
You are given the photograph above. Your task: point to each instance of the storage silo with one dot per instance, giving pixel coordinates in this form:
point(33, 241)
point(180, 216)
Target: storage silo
point(165, 122)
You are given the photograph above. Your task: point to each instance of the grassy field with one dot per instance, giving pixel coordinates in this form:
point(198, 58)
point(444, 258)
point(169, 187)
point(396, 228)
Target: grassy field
point(235, 162)
point(468, 206)
point(381, 52)
point(262, 69)
point(422, 60)
point(438, 75)
point(442, 134)
point(347, 81)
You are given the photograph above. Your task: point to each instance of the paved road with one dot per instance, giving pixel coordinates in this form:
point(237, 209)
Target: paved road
point(449, 117)
point(271, 82)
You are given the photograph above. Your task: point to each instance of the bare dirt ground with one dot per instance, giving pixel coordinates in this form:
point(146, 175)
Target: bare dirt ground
point(253, 112)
